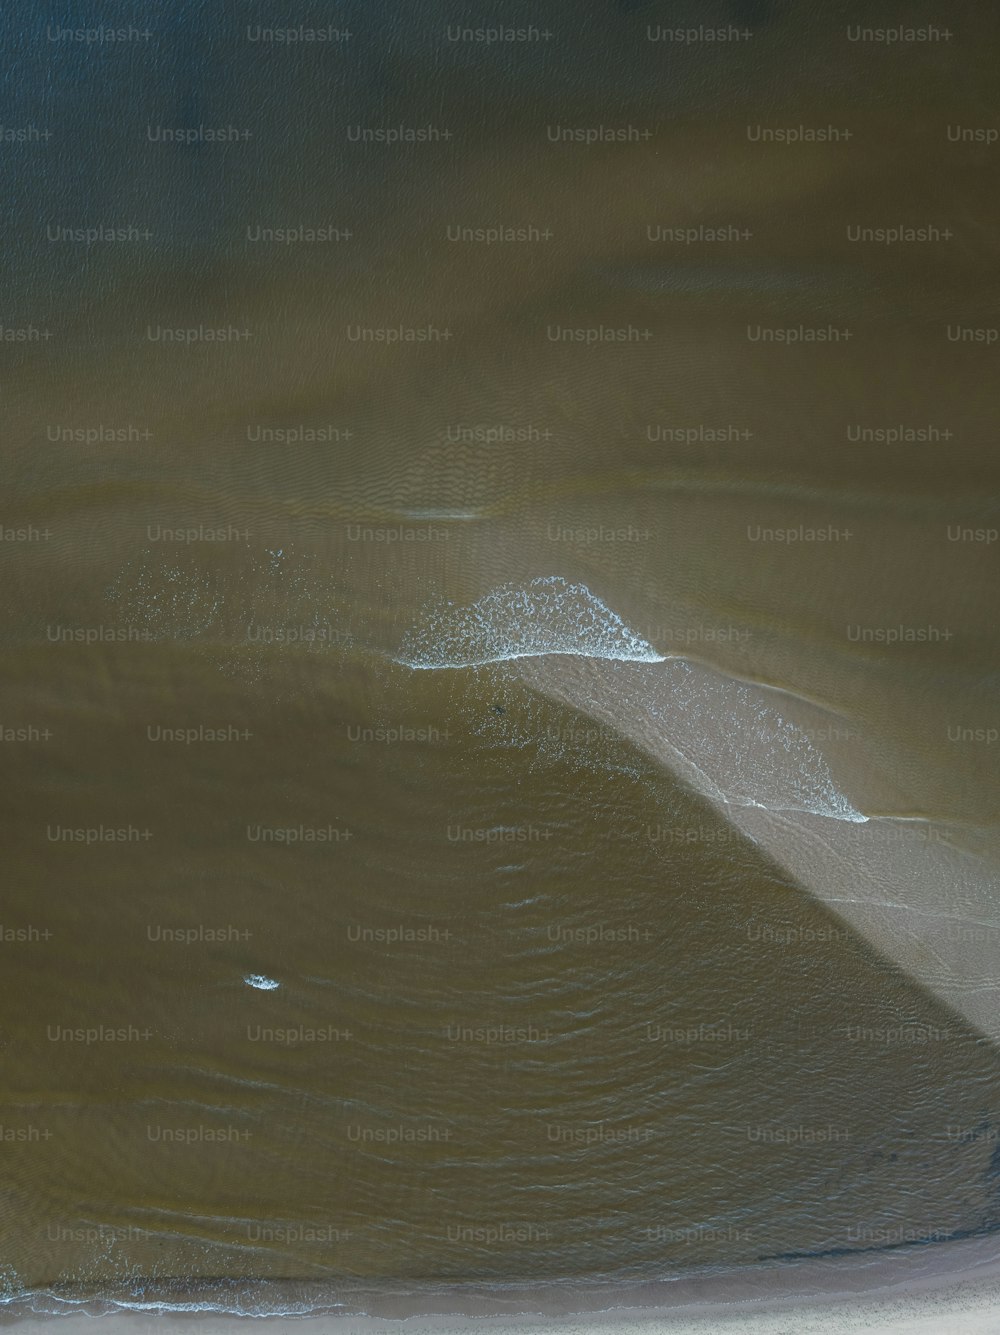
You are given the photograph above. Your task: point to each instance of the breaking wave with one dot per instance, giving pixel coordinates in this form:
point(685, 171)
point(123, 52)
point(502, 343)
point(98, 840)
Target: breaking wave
point(722, 736)
point(549, 616)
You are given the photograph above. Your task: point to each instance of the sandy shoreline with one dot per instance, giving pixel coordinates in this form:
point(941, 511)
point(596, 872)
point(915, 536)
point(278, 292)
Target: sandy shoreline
point(953, 1286)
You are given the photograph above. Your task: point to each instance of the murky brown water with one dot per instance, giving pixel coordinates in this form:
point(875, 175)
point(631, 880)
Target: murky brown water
point(365, 974)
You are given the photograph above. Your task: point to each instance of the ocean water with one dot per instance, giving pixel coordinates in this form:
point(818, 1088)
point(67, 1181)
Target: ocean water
point(408, 694)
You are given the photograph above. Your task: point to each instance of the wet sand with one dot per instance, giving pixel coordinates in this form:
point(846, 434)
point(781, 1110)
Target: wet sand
point(955, 1286)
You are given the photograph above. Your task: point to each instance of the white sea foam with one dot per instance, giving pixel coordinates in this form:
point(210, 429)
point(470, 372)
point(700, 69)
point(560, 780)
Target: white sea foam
point(260, 982)
point(722, 735)
point(549, 616)
point(744, 751)
point(43, 1302)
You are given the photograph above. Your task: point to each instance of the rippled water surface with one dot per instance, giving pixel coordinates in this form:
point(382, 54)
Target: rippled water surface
point(387, 721)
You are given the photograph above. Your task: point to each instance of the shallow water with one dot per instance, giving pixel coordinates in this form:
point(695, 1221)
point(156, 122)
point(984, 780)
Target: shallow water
point(382, 717)
point(540, 1013)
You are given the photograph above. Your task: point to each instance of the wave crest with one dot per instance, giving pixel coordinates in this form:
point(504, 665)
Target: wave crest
point(548, 616)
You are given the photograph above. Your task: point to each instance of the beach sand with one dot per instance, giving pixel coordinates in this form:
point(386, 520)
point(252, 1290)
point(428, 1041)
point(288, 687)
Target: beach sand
point(953, 1287)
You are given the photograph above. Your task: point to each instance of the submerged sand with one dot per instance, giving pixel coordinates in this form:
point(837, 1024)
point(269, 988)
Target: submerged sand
point(925, 893)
